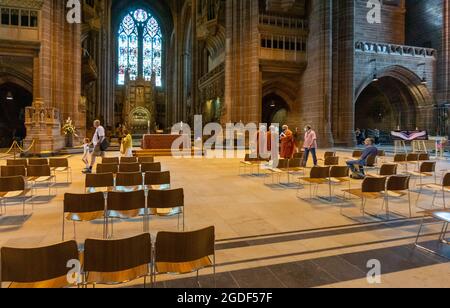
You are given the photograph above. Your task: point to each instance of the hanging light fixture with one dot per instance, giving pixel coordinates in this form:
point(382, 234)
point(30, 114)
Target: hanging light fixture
point(9, 96)
point(272, 104)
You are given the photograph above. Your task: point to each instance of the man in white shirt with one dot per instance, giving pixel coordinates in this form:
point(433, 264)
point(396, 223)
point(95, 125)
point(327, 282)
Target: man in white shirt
point(97, 140)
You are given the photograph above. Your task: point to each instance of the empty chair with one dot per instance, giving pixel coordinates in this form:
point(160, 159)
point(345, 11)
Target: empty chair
point(372, 188)
point(318, 176)
point(424, 157)
point(339, 175)
point(166, 202)
point(182, 253)
point(12, 188)
point(17, 162)
point(44, 267)
point(61, 165)
point(399, 158)
point(130, 167)
point(112, 262)
point(151, 167)
point(129, 180)
point(146, 159)
point(159, 179)
point(387, 170)
point(331, 161)
point(444, 187)
point(299, 155)
point(41, 175)
point(128, 160)
point(398, 186)
point(427, 169)
point(328, 154)
point(107, 168)
point(126, 205)
point(83, 208)
point(110, 160)
point(281, 168)
point(102, 181)
point(13, 171)
point(37, 161)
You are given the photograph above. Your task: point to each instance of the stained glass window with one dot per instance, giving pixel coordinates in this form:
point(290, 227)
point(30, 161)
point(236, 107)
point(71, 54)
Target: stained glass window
point(139, 29)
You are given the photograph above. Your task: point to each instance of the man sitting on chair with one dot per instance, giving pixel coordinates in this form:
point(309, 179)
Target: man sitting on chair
point(357, 166)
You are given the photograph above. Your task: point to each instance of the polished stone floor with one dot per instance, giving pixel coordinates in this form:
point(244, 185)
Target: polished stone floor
point(267, 235)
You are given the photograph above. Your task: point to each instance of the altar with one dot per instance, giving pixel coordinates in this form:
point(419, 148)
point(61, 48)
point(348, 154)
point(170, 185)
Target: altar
point(160, 145)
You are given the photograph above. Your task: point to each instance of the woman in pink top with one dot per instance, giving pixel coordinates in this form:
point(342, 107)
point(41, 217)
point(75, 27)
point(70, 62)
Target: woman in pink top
point(310, 145)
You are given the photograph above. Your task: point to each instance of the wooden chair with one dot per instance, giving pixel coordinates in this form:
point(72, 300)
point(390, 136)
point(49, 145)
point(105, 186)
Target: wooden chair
point(112, 262)
point(126, 205)
point(357, 154)
point(182, 253)
point(444, 188)
point(83, 208)
point(167, 203)
point(386, 170)
point(111, 160)
point(371, 163)
point(41, 175)
point(339, 175)
point(318, 176)
point(146, 159)
point(281, 169)
point(331, 161)
point(427, 169)
point(107, 168)
point(13, 188)
point(328, 154)
point(61, 165)
point(44, 267)
point(102, 181)
point(151, 167)
point(398, 186)
point(128, 160)
point(250, 162)
point(400, 159)
point(129, 167)
point(13, 171)
point(37, 161)
point(372, 189)
point(411, 159)
point(17, 162)
point(129, 180)
point(160, 180)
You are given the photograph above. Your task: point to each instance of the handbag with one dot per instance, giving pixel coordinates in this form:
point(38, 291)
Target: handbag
point(104, 145)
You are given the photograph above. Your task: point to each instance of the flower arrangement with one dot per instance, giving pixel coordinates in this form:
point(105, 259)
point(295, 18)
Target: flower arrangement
point(69, 128)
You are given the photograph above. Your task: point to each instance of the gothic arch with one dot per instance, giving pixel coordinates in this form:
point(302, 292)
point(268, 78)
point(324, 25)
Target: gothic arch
point(10, 75)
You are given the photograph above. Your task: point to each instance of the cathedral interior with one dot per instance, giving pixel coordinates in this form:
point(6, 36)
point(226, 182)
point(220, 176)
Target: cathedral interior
point(337, 66)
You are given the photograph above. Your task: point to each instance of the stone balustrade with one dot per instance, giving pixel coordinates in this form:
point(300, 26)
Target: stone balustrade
point(394, 49)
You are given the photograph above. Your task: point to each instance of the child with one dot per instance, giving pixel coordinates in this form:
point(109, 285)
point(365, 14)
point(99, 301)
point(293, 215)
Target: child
point(127, 144)
point(86, 152)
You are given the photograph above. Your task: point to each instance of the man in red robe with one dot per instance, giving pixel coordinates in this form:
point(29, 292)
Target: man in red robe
point(287, 143)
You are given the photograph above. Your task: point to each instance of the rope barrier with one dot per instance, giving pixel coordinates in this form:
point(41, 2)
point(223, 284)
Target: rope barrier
point(16, 146)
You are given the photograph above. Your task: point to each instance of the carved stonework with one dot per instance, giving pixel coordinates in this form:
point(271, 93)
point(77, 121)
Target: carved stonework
point(27, 4)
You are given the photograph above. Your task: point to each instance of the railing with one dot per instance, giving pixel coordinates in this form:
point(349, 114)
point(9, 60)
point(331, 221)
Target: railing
point(16, 149)
point(394, 49)
point(210, 75)
point(283, 22)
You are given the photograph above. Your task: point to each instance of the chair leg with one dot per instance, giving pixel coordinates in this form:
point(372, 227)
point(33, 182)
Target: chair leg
point(409, 202)
point(63, 228)
point(420, 231)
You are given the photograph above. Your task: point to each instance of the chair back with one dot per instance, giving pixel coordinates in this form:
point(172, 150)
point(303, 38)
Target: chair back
point(37, 264)
point(339, 172)
point(39, 170)
point(371, 161)
point(428, 167)
point(157, 178)
point(179, 247)
point(59, 163)
point(146, 159)
point(129, 179)
point(399, 158)
point(37, 161)
point(107, 168)
point(13, 171)
point(99, 180)
point(398, 183)
point(129, 167)
point(424, 157)
point(112, 256)
point(110, 160)
point(126, 201)
point(283, 164)
point(295, 163)
point(412, 157)
point(357, 154)
point(388, 169)
point(13, 183)
point(128, 160)
point(446, 180)
point(374, 185)
point(328, 154)
point(84, 203)
point(381, 153)
point(299, 155)
point(17, 162)
point(331, 161)
point(320, 172)
point(151, 167)
point(165, 199)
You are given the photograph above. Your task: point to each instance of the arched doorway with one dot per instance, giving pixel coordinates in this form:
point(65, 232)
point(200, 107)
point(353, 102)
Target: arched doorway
point(13, 100)
point(274, 110)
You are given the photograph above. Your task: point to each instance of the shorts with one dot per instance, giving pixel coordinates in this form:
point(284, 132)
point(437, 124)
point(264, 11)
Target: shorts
point(98, 152)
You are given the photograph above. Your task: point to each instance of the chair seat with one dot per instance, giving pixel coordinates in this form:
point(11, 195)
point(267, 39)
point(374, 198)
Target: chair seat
point(421, 174)
point(125, 214)
point(15, 194)
point(79, 217)
point(165, 212)
point(443, 216)
point(359, 193)
point(436, 187)
point(184, 267)
point(129, 188)
point(118, 277)
point(339, 180)
point(57, 283)
point(314, 181)
point(61, 169)
point(396, 193)
point(40, 179)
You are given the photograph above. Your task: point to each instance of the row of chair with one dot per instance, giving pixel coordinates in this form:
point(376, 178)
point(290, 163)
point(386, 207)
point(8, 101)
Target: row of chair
point(129, 179)
point(128, 160)
point(128, 167)
point(121, 205)
point(109, 262)
point(35, 167)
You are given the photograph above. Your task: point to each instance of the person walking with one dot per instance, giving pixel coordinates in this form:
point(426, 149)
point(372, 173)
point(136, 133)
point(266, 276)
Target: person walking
point(310, 145)
point(287, 143)
point(97, 141)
